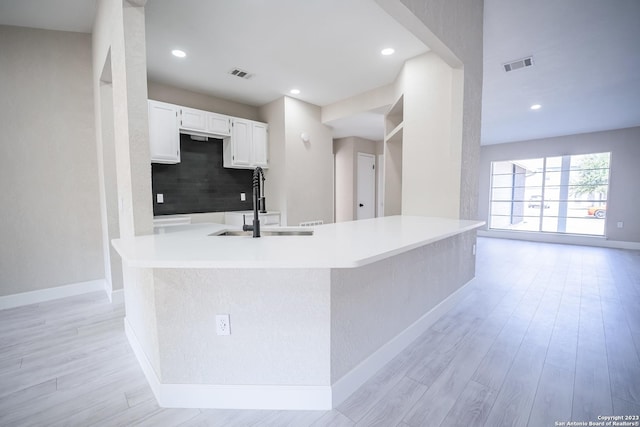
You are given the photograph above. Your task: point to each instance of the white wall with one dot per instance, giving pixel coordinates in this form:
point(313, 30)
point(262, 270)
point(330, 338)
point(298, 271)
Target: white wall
point(371, 305)
point(346, 166)
point(276, 176)
point(50, 228)
point(309, 165)
point(344, 191)
point(624, 145)
point(118, 21)
point(279, 321)
point(174, 95)
point(299, 182)
point(373, 99)
point(431, 155)
point(453, 30)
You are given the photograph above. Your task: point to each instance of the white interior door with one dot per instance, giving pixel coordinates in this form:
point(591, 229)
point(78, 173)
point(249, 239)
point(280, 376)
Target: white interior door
point(366, 186)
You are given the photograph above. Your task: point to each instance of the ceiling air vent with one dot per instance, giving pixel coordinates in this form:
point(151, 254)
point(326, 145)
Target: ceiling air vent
point(240, 73)
point(520, 63)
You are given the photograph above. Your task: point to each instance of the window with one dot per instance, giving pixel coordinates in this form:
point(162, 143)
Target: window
point(564, 194)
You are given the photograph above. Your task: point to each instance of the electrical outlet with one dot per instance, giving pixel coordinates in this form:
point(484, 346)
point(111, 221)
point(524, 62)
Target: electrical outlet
point(243, 197)
point(223, 327)
point(160, 198)
point(620, 224)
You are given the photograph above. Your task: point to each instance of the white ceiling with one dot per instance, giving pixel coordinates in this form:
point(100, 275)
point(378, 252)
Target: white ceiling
point(61, 15)
point(329, 49)
point(586, 72)
point(585, 75)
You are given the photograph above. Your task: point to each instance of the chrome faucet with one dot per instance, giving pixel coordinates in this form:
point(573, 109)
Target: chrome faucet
point(258, 202)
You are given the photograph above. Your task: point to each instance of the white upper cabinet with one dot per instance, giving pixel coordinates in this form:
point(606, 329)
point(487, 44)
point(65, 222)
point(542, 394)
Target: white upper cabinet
point(248, 145)
point(191, 119)
point(218, 124)
point(260, 144)
point(241, 142)
point(201, 122)
point(164, 137)
point(245, 142)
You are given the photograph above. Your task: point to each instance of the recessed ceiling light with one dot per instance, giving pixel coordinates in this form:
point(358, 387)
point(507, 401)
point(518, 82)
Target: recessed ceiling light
point(295, 91)
point(179, 53)
point(387, 51)
point(536, 107)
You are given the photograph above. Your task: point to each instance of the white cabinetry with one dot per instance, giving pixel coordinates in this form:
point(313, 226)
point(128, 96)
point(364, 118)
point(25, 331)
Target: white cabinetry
point(240, 143)
point(248, 146)
point(260, 144)
point(201, 122)
point(164, 138)
point(191, 119)
point(246, 142)
point(218, 124)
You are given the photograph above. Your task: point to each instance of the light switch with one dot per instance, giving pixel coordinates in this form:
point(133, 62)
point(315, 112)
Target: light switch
point(620, 224)
point(243, 197)
point(160, 198)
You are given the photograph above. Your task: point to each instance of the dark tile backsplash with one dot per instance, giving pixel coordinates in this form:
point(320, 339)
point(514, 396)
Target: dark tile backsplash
point(199, 183)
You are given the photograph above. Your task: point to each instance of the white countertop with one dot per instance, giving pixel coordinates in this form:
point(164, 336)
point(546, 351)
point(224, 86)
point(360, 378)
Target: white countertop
point(341, 245)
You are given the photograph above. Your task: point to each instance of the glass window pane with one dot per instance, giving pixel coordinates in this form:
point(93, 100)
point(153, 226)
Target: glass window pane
point(562, 194)
point(516, 191)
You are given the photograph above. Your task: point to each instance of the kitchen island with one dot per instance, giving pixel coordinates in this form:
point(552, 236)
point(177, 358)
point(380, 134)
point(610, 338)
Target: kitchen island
point(311, 317)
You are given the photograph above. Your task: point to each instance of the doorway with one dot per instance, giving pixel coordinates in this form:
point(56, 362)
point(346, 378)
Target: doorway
point(108, 178)
point(366, 186)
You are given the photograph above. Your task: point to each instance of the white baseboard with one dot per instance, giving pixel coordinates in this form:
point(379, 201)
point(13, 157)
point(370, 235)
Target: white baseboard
point(271, 397)
point(115, 297)
point(355, 378)
point(42, 295)
point(566, 239)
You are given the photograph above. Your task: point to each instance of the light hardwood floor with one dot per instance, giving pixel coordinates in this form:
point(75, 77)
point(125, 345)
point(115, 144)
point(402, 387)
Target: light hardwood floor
point(548, 333)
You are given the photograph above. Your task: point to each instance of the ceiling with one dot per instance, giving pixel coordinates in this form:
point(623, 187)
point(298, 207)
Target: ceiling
point(328, 49)
point(585, 54)
point(586, 72)
point(61, 15)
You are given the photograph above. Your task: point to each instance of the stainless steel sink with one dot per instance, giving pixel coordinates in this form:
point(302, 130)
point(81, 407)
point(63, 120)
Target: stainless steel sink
point(264, 233)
